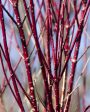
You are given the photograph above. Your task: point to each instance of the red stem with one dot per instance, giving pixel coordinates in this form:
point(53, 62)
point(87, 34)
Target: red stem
point(40, 56)
point(74, 63)
point(56, 81)
point(8, 59)
point(26, 57)
point(27, 13)
point(15, 78)
point(7, 79)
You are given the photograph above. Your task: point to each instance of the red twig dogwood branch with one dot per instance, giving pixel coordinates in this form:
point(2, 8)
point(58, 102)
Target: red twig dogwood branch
point(54, 28)
point(76, 51)
point(8, 59)
point(25, 54)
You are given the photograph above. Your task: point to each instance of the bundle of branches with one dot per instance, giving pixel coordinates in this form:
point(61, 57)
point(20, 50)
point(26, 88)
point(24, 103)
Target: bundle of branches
point(39, 51)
